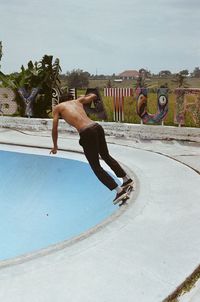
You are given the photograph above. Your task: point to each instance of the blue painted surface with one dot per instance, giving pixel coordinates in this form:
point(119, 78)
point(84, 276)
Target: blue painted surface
point(45, 200)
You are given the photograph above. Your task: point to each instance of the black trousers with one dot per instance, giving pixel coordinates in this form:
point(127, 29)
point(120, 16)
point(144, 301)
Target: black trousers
point(92, 139)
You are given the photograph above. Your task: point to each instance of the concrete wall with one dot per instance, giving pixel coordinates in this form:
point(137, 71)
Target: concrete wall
point(122, 130)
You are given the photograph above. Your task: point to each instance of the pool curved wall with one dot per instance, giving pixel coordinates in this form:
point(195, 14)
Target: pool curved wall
point(45, 200)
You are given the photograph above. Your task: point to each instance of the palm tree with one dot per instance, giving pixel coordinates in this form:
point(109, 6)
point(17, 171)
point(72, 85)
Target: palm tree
point(180, 80)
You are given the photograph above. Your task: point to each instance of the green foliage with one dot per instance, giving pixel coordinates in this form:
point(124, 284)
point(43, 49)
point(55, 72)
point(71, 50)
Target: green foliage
point(140, 82)
point(196, 72)
point(130, 112)
point(184, 72)
point(78, 78)
point(48, 77)
point(165, 73)
point(180, 80)
point(44, 75)
point(108, 105)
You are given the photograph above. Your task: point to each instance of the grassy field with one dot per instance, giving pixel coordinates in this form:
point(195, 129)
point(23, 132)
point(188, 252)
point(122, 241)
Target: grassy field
point(151, 83)
point(130, 113)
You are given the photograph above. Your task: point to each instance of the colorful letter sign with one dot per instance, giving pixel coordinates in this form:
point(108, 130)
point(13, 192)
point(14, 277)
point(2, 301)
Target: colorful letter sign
point(182, 105)
point(162, 105)
point(8, 105)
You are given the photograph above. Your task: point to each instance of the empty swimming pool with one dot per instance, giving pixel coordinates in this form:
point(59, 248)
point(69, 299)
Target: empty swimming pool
point(45, 200)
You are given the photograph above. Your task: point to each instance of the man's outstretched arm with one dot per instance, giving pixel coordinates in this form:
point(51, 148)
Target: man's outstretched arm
point(55, 131)
point(87, 98)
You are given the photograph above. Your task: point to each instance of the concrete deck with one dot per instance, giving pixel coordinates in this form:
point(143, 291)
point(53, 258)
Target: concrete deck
point(144, 254)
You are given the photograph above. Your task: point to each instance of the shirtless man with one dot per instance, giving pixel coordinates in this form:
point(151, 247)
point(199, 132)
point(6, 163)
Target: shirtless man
point(92, 139)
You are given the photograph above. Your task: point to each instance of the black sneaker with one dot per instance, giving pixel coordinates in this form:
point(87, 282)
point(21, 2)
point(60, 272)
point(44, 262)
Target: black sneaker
point(120, 196)
point(127, 183)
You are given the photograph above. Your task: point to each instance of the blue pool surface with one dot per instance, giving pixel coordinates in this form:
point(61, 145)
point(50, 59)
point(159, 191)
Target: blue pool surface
point(45, 200)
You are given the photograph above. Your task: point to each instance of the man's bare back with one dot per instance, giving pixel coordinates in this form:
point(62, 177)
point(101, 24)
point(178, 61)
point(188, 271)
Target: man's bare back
point(74, 114)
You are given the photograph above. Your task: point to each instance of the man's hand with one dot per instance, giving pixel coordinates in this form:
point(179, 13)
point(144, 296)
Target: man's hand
point(53, 150)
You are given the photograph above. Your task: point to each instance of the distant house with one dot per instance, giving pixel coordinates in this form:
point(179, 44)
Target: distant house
point(129, 75)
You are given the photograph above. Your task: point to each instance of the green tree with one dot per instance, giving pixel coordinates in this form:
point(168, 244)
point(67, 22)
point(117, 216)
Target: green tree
point(48, 78)
point(164, 73)
point(180, 80)
point(78, 78)
point(43, 75)
point(184, 72)
point(144, 73)
point(196, 72)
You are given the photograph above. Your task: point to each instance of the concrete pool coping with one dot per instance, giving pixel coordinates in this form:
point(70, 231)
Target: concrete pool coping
point(188, 153)
point(119, 130)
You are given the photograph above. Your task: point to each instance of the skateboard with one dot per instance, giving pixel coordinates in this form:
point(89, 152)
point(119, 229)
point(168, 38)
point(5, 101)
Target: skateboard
point(129, 189)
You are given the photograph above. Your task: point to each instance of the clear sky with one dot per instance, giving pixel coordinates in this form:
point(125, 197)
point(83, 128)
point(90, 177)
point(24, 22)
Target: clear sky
point(102, 36)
